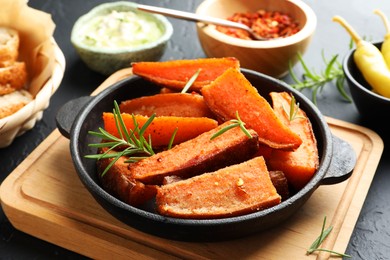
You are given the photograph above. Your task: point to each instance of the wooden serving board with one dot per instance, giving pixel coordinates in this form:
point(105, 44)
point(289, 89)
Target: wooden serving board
point(45, 198)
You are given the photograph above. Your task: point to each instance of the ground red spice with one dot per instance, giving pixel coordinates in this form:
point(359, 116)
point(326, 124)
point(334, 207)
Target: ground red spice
point(268, 24)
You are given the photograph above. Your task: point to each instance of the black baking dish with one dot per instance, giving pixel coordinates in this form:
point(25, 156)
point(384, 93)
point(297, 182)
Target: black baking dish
point(77, 117)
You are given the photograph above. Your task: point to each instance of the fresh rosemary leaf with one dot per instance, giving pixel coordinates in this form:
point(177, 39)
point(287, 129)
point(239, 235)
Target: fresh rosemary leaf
point(315, 82)
point(103, 144)
point(324, 234)
point(116, 158)
point(132, 143)
point(191, 81)
point(329, 67)
point(236, 123)
point(172, 139)
point(292, 112)
point(242, 125)
point(223, 130)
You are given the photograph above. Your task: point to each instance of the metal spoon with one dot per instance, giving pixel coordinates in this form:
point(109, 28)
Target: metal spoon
point(199, 18)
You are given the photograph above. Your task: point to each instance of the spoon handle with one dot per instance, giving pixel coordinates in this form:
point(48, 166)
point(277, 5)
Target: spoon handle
point(192, 17)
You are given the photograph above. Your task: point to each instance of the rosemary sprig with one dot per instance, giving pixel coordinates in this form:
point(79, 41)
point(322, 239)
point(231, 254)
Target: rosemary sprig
point(133, 143)
point(191, 81)
point(236, 123)
point(324, 234)
point(315, 82)
point(292, 113)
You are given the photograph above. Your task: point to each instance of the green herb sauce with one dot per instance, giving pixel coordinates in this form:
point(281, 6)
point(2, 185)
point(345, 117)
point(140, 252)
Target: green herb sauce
point(121, 30)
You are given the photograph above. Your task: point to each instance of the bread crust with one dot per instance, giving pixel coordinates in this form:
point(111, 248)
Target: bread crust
point(12, 77)
point(9, 46)
point(11, 103)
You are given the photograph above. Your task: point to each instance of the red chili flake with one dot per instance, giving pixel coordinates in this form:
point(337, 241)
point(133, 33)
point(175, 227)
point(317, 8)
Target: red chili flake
point(268, 24)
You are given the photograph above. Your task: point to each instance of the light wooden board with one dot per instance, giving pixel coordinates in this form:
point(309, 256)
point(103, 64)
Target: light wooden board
point(44, 197)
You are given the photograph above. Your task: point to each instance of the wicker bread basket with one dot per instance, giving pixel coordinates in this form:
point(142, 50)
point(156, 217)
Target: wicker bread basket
point(25, 118)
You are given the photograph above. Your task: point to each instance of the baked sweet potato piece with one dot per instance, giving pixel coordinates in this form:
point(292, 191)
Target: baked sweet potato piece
point(277, 178)
point(231, 191)
point(169, 104)
point(280, 182)
point(118, 182)
point(300, 165)
point(176, 73)
point(231, 93)
point(162, 128)
point(196, 156)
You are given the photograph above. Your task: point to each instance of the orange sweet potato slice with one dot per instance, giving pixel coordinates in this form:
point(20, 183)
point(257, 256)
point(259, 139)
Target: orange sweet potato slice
point(231, 93)
point(118, 182)
point(198, 155)
point(175, 74)
point(169, 104)
point(231, 191)
point(300, 165)
point(162, 128)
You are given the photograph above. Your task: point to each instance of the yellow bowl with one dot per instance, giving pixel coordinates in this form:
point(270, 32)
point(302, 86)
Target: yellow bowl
point(271, 57)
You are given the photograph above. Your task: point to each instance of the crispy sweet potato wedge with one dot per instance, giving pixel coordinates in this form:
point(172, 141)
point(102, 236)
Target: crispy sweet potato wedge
point(175, 74)
point(277, 178)
point(169, 104)
point(197, 156)
point(231, 191)
point(118, 182)
point(238, 95)
point(162, 128)
point(280, 182)
point(300, 165)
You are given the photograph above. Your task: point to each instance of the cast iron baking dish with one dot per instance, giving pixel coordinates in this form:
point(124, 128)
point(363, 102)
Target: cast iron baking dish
point(81, 115)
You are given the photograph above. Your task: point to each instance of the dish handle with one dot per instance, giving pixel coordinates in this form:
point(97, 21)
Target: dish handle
point(68, 113)
point(342, 164)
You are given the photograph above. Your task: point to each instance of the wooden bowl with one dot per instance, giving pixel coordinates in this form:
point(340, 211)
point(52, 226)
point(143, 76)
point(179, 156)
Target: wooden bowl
point(271, 57)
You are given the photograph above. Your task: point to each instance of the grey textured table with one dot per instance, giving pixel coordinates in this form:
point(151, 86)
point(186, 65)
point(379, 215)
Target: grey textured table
point(371, 236)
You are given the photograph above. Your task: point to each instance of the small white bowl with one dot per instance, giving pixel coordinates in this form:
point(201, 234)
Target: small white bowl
point(271, 57)
point(25, 118)
point(107, 60)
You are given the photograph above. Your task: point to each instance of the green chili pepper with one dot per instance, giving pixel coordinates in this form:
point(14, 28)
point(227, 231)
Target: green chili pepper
point(370, 61)
point(385, 48)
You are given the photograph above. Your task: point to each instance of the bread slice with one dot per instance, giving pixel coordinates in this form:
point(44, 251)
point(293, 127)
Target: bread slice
point(9, 45)
point(12, 77)
point(11, 103)
point(231, 191)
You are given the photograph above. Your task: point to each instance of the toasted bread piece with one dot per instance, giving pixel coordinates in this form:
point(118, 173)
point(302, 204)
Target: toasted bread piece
point(9, 45)
point(231, 191)
point(12, 77)
point(197, 155)
point(119, 183)
point(11, 103)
